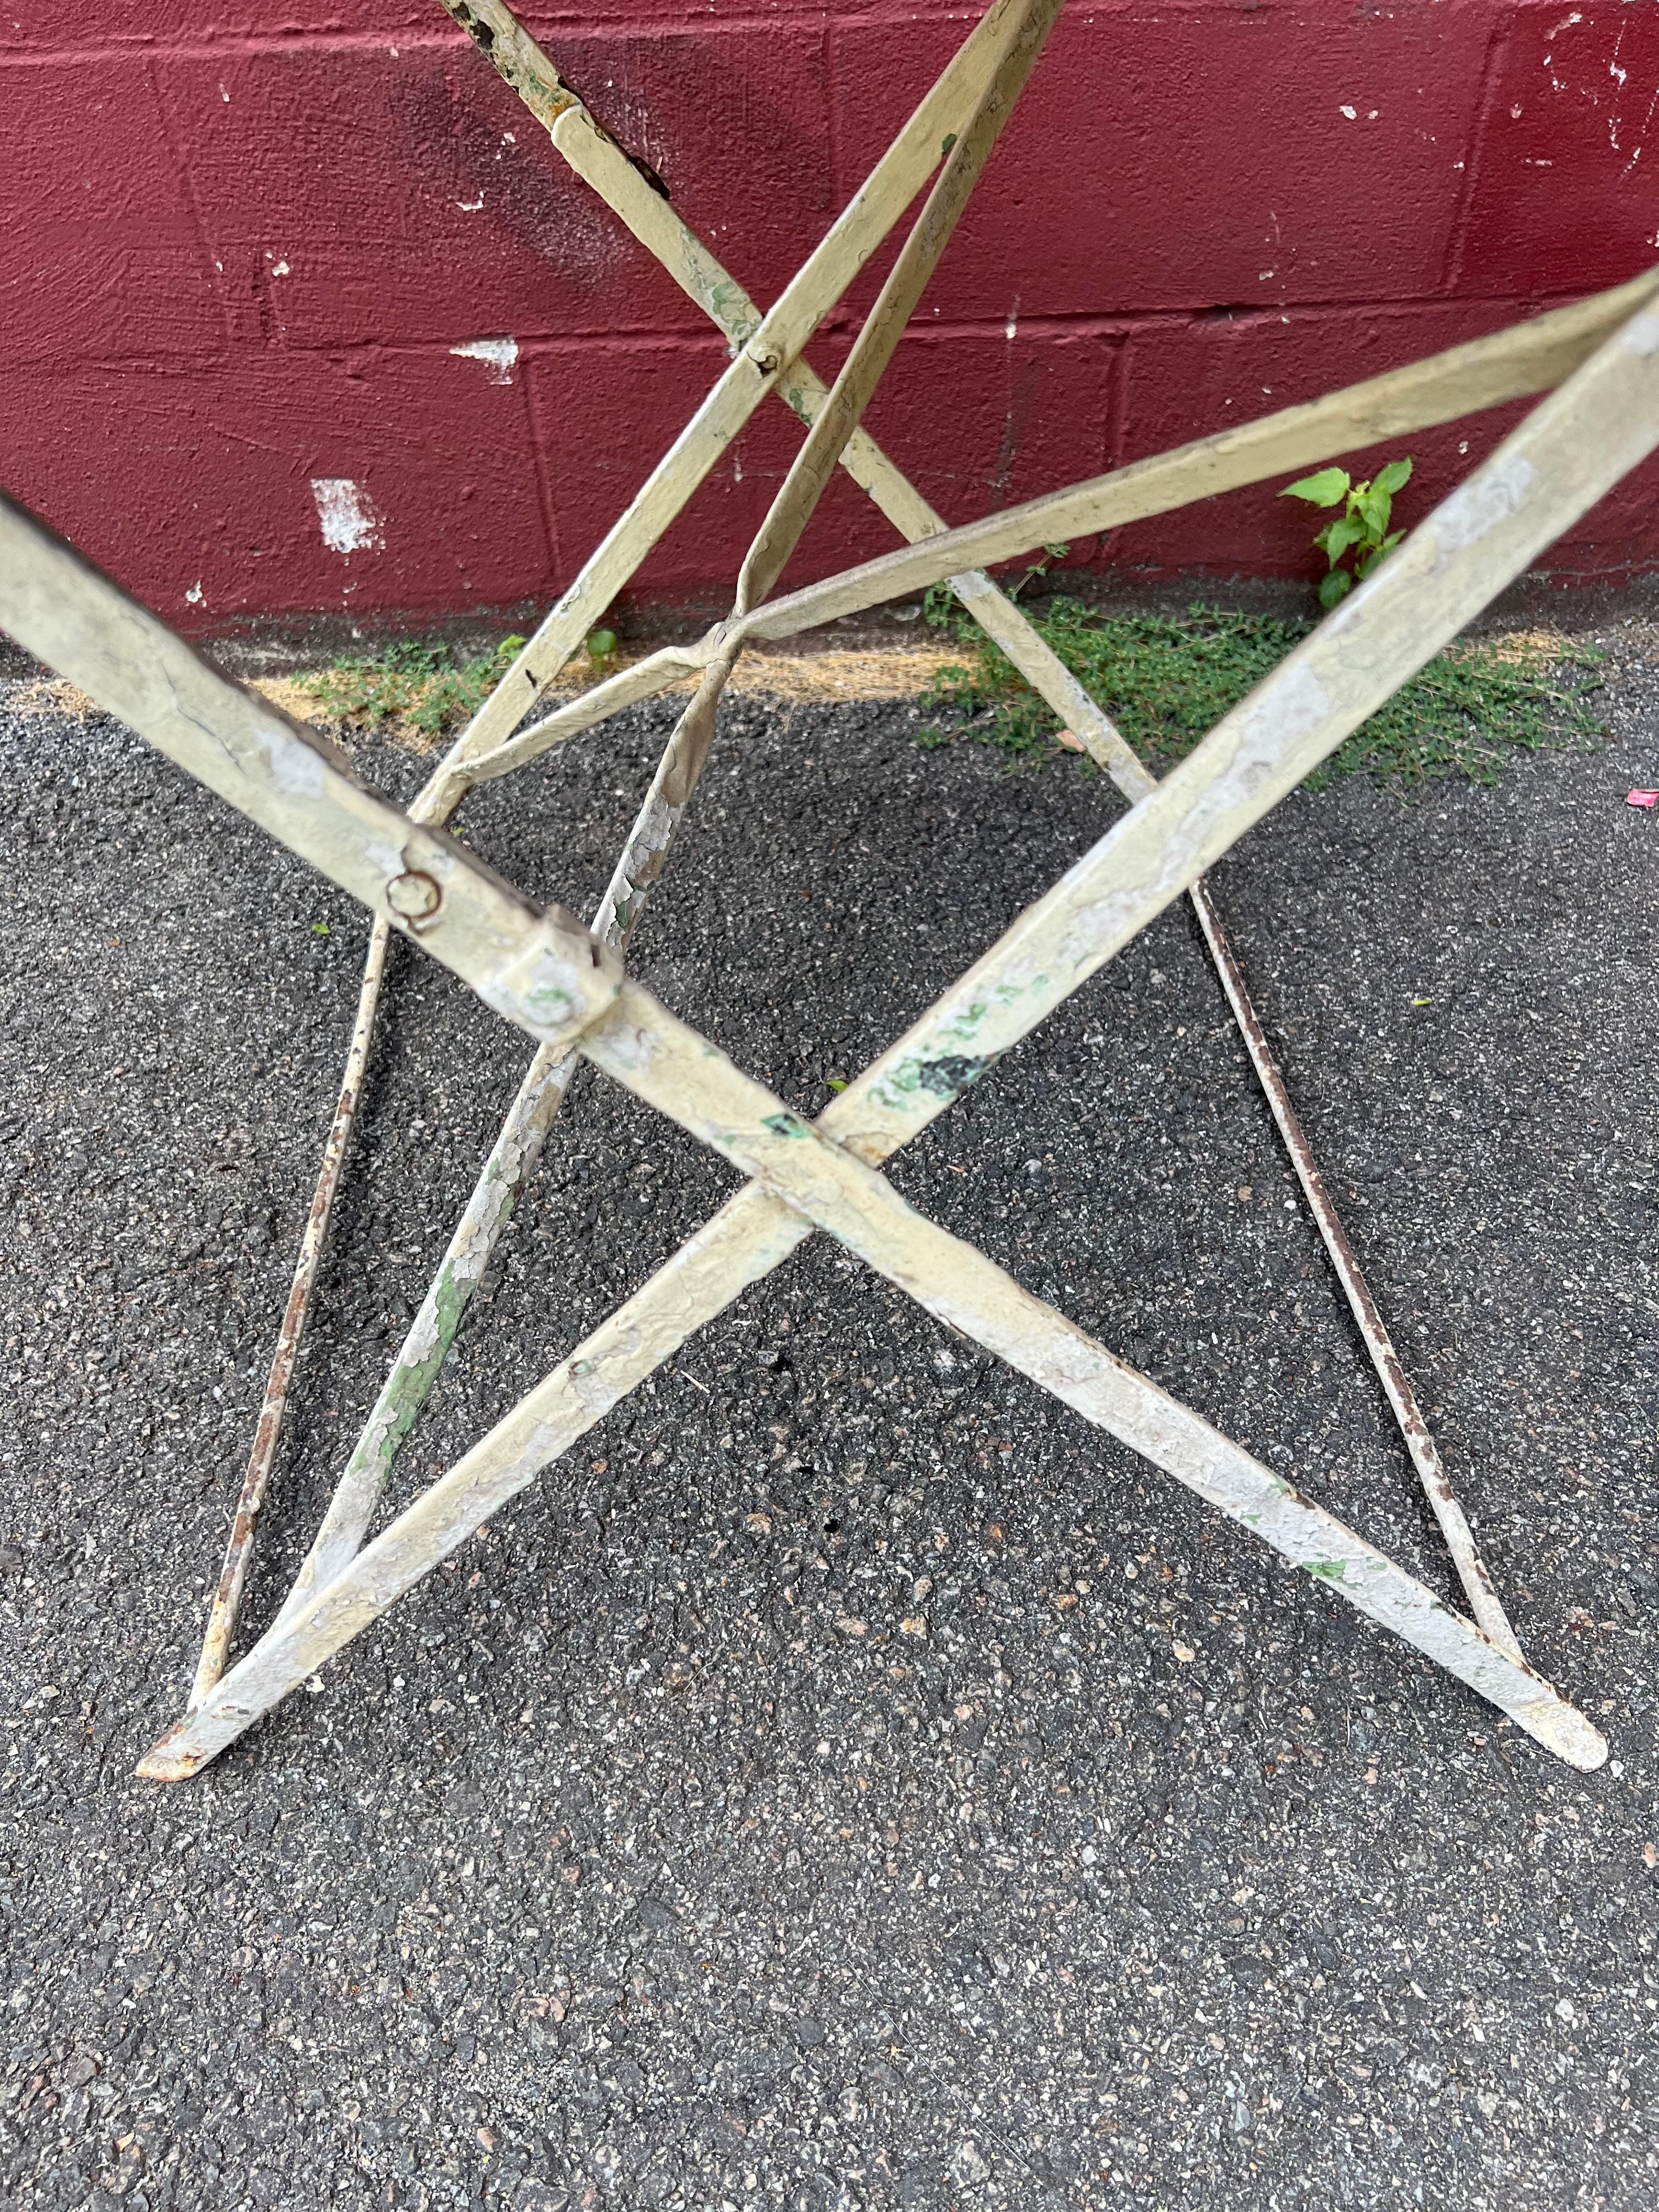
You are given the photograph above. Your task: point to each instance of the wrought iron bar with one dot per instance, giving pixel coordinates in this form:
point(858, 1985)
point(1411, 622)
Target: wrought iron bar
point(1562, 458)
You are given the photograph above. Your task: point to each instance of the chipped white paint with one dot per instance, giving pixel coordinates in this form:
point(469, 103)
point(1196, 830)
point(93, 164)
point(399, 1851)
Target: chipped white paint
point(193, 596)
point(1387, 629)
point(349, 521)
point(500, 354)
point(689, 1080)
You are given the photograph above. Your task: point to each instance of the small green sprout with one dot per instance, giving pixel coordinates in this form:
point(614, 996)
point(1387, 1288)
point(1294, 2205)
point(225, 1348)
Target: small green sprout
point(601, 649)
point(1362, 528)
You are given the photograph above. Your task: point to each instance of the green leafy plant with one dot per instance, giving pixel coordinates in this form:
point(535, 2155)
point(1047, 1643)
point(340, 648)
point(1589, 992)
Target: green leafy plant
point(427, 688)
point(1361, 529)
point(601, 650)
point(1165, 680)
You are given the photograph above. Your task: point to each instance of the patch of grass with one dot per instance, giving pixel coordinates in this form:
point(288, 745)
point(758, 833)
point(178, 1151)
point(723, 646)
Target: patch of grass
point(425, 687)
point(1165, 680)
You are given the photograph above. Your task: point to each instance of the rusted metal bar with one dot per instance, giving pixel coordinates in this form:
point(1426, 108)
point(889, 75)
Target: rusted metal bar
point(1563, 457)
point(499, 35)
point(513, 1159)
point(1396, 1384)
point(239, 1550)
point(1106, 745)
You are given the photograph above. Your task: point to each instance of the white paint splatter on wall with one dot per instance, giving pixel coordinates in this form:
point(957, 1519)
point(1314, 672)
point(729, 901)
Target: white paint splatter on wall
point(350, 523)
point(500, 353)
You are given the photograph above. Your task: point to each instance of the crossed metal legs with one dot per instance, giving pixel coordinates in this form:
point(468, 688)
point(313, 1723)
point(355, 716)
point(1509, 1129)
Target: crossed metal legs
point(1603, 418)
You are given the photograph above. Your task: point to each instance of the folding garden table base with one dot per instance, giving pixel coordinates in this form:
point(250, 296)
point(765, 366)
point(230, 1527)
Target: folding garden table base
point(566, 986)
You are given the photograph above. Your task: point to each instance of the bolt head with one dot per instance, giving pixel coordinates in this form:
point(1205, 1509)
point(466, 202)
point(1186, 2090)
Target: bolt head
point(414, 895)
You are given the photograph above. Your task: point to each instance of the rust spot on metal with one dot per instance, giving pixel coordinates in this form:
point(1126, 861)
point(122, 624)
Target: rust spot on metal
point(414, 896)
point(239, 1550)
point(1396, 1385)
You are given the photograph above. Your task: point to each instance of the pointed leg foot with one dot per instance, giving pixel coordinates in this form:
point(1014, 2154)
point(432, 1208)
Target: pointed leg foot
point(169, 1761)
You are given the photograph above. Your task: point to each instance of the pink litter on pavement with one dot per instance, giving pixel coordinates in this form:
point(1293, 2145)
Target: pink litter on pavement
point(1641, 799)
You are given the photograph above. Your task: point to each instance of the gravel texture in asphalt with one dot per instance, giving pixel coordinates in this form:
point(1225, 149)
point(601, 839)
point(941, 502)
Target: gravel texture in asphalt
point(648, 1856)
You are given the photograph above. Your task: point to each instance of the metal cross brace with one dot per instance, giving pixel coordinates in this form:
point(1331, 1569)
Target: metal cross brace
point(1604, 418)
point(638, 197)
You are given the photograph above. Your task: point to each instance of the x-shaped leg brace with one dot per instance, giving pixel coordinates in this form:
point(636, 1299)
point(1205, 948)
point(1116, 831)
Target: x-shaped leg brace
point(767, 360)
point(1597, 426)
point(642, 205)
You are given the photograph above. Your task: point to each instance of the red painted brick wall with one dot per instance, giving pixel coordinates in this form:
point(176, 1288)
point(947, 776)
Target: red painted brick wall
point(241, 246)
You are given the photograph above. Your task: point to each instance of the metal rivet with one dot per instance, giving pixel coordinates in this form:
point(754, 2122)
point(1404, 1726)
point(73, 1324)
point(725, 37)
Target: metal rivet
point(413, 895)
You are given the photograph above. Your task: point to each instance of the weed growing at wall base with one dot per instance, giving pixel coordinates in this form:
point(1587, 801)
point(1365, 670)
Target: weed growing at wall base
point(1362, 528)
point(426, 687)
point(1165, 680)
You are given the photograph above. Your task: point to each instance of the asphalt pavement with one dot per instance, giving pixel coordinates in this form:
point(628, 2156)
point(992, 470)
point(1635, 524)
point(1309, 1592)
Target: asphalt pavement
point(848, 1780)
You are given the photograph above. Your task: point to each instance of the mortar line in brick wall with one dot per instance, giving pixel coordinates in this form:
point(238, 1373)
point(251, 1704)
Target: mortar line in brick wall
point(1119, 329)
point(230, 49)
point(538, 458)
point(444, 38)
point(838, 192)
point(1451, 268)
point(1126, 324)
point(214, 266)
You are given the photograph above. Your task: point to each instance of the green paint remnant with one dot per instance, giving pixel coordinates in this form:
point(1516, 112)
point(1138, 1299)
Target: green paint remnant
point(949, 140)
point(784, 1125)
point(942, 1077)
point(1327, 1570)
point(963, 1023)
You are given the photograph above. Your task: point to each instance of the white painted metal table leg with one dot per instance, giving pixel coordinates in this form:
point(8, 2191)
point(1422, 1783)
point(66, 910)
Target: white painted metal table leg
point(557, 982)
point(1531, 489)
